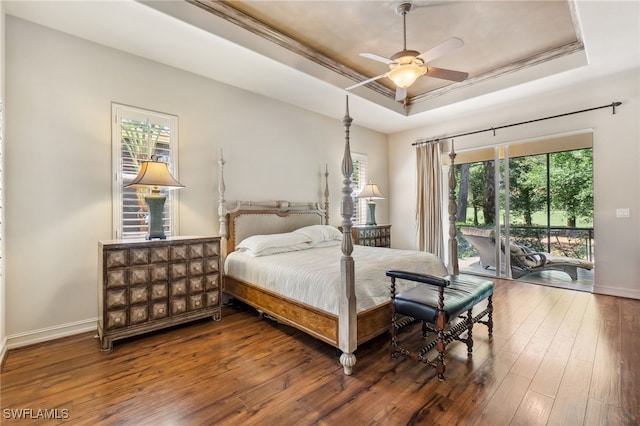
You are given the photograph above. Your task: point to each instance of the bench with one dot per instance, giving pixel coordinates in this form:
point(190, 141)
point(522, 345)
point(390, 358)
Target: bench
point(444, 306)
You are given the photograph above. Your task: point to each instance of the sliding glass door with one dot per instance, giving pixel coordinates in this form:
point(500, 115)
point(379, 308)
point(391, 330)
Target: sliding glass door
point(521, 198)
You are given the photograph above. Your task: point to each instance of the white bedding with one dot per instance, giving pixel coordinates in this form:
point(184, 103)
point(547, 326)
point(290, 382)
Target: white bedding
point(312, 276)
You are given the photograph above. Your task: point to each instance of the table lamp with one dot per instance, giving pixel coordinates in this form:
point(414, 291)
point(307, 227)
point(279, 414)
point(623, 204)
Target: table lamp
point(155, 175)
point(371, 192)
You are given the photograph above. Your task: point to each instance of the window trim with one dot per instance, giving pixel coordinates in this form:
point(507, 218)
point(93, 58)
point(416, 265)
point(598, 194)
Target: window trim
point(118, 112)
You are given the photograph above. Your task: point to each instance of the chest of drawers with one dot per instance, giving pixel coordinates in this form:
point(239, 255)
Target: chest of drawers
point(372, 235)
point(148, 285)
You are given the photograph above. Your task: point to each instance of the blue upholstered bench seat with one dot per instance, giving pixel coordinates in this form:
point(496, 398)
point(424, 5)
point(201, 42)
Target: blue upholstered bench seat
point(461, 294)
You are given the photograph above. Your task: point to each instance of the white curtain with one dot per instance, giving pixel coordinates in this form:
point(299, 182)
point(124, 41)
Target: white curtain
point(429, 199)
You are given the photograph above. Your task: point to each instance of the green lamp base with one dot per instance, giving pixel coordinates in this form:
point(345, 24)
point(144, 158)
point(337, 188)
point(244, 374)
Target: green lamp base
point(371, 213)
point(155, 203)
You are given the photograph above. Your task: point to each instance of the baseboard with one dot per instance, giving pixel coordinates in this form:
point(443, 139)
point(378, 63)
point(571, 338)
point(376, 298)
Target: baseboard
point(616, 291)
point(50, 333)
point(3, 352)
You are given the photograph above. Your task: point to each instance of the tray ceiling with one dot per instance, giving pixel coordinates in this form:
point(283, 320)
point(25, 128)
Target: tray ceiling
point(305, 53)
point(500, 38)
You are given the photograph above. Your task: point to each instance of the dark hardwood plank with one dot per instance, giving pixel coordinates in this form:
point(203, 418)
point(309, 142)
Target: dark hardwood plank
point(630, 361)
point(605, 381)
point(556, 357)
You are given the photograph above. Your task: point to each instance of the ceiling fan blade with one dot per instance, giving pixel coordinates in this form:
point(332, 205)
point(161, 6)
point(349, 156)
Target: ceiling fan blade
point(377, 58)
point(440, 49)
point(362, 83)
point(446, 74)
point(401, 93)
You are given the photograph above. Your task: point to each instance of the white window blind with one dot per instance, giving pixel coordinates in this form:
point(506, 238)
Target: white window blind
point(359, 180)
point(137, 135)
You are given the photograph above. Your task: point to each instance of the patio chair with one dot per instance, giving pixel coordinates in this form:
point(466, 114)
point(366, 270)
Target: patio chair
point(524, 261)
point(484, 242)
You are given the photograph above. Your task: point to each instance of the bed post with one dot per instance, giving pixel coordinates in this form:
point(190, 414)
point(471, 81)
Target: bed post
point(453, 209)
point(326, 194)
point(222, 210)
point(347, 320)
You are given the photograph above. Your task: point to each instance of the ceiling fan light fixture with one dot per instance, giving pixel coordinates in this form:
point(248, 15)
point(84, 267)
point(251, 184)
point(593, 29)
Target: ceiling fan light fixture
point(407, 74)
point(406, 66)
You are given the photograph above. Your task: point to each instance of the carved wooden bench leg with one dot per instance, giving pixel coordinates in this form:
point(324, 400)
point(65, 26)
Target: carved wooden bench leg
point(442, 346)
point(469, 320)
point(489, 314)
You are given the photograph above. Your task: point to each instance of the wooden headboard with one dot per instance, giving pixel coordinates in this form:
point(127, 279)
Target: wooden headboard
point(272, 217)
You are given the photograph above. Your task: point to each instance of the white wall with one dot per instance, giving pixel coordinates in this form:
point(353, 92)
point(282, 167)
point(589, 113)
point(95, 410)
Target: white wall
point(616, 163)
point(58, 163)
point(3, 333)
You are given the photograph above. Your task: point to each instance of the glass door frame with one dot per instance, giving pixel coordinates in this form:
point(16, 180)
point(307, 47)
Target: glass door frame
point(501, 177)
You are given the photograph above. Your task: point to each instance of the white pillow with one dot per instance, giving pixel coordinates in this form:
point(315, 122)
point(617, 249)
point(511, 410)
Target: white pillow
point(320, 233)
point(330, 243)
point(262, 245)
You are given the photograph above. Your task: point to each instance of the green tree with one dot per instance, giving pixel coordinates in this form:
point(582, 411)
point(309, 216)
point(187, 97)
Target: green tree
point(489, 206)
point(528, 186)
point(476, 189)
point(463, 191)
point(571, 175)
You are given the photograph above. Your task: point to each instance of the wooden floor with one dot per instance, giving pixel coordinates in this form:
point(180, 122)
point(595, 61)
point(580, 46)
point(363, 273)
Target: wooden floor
point(557, 357)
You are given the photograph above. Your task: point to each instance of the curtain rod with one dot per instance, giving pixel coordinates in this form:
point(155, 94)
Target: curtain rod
point(612, 105)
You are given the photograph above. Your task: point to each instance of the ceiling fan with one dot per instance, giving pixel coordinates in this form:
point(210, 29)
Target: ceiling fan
point(407, 65)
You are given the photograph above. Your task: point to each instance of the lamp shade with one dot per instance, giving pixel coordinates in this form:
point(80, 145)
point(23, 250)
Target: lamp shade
point(406, 74)
point(371, 192)
point(155, 174)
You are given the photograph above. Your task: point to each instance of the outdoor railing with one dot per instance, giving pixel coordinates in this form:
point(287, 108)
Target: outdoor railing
point(566, 241)
point(576, 242)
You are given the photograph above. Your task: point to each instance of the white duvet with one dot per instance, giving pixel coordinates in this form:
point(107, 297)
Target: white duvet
point(312, 276)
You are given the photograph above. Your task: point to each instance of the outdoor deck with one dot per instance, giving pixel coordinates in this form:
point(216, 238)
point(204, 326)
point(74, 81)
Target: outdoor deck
point(558, 279)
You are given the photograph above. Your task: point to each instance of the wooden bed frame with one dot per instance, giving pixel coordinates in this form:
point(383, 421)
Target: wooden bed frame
point(280, 216)
point(345, 330)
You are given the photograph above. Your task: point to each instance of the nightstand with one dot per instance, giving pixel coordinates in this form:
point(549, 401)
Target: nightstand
point(371, 235)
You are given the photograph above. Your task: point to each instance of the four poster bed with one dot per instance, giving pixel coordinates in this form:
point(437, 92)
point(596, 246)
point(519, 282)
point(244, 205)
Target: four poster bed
point(284, 260)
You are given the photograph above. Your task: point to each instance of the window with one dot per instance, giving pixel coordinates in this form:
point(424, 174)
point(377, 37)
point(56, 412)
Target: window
point(359, 180)
point(138, 134)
